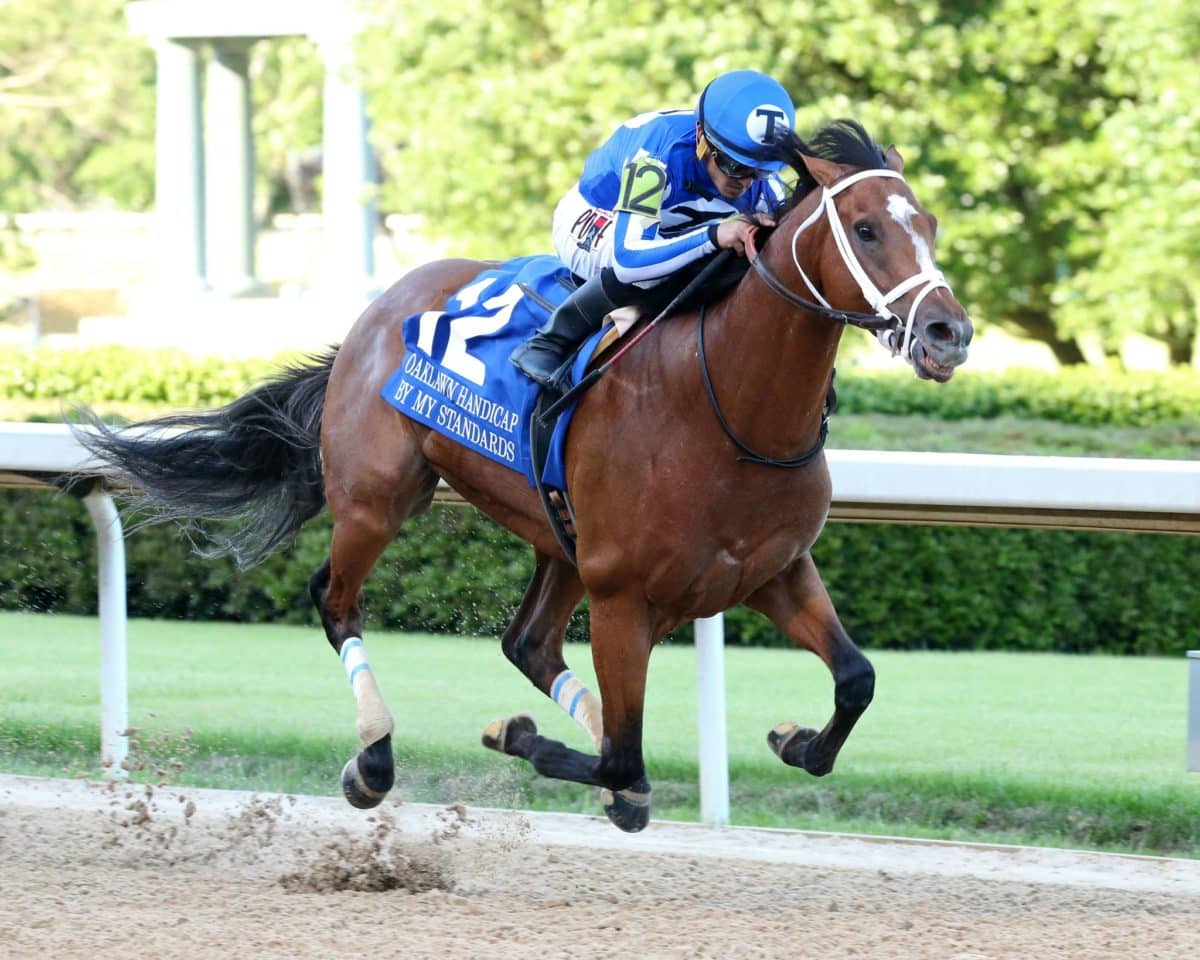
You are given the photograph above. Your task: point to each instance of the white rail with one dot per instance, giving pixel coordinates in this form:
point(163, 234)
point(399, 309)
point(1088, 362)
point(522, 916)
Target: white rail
point(973, 489)
point(1156, 496)
point(34, 454)
point(1193, 753)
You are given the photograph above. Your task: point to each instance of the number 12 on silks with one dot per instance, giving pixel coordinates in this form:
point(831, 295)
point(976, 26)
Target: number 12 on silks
point(643, 183)
point(456, 358)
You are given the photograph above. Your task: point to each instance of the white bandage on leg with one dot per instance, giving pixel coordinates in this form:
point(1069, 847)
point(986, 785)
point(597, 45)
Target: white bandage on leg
point(374, 718)
point(580, 704)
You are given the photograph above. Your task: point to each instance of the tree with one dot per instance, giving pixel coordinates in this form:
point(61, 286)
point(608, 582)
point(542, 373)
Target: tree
point(286, 83)
point(1144, 277)
point(1057, 121)
point(1058, 143)
point(76, 106)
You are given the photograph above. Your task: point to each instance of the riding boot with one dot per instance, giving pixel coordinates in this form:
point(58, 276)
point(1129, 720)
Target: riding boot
point(543, 355)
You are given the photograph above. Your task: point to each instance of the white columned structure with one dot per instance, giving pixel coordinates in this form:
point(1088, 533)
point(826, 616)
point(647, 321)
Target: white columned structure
point(205, 173)
point(348, 209)
point(179, 166)
point(229, 164)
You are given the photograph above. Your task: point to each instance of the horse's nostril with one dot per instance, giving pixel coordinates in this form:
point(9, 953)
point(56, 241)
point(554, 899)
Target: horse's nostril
point(949, 333)
point(942, 333)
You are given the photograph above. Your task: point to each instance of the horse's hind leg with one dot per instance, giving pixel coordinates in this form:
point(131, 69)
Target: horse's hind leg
point(798, 604)
point(533, 643)
point(366, 519)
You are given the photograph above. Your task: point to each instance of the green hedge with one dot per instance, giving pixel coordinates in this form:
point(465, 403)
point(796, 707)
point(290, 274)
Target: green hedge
point(1087, 396)
point(170, 378)
point(900, 587)
point(895, 586)
point(1084, 395)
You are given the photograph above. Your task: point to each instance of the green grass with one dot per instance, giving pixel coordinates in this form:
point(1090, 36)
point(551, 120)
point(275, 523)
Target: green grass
point(1055, 750)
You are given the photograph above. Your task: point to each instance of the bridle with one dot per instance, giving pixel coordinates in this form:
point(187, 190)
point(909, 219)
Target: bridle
point(884, 322)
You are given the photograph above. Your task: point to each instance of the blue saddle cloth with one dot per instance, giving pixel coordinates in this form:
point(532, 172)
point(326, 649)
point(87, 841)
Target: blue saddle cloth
point(457, 379)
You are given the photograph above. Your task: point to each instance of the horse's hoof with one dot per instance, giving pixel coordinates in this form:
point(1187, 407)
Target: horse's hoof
point(629, 809)
point(789, 742)
point(367, 777)
point(500, 735)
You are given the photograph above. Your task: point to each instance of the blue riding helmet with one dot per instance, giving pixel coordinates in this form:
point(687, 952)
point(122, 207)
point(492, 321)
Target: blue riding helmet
point(741, 111)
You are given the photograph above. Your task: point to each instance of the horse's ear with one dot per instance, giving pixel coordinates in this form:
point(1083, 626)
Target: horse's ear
point(894, 160)
point(825, 172)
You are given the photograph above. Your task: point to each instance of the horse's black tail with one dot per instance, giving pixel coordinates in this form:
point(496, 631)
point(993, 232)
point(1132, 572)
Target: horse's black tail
point(255, 463)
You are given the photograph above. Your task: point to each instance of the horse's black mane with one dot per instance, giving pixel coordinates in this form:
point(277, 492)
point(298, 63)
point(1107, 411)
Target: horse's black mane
point(843, 141)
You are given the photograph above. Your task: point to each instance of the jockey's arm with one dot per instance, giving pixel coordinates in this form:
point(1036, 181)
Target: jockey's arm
point(641, 255)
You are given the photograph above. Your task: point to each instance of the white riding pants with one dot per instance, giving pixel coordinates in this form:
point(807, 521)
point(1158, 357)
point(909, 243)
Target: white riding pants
point(583, 236)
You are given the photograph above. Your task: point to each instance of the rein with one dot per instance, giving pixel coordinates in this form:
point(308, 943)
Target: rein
point(559, 405)
point(867, 321)
point(883, 322)
point(748, 455)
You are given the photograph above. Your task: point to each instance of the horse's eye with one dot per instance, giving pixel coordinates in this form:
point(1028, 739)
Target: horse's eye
point(866, 233)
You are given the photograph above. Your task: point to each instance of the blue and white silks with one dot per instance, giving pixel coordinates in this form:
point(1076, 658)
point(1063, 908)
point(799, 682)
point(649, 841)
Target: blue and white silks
point(647, 249)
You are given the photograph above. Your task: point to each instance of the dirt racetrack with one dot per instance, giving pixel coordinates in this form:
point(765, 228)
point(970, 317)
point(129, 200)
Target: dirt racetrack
point(98, 871)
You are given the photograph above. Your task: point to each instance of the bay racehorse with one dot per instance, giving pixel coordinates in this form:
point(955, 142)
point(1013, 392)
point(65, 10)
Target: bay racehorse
point(695, 467)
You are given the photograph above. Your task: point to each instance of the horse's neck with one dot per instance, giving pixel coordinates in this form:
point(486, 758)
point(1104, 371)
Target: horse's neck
point(770, 361)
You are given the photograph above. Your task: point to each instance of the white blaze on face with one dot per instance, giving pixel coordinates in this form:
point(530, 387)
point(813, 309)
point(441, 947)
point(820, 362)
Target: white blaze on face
point(902, 212)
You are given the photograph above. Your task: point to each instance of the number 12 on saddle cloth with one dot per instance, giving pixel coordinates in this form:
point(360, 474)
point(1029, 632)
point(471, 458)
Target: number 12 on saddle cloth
point(456, 377)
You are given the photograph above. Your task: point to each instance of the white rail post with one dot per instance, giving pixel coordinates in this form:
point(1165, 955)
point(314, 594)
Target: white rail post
point(714, 745)
point(1194, 711)
point(114, 670)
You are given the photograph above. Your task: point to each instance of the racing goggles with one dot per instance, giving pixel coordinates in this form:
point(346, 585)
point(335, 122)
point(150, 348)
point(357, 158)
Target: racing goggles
point(735, 168)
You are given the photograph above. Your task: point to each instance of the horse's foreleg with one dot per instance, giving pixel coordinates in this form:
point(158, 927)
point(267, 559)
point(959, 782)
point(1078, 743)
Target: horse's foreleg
point(797, 603)
point(620, 649)
point(622, 639)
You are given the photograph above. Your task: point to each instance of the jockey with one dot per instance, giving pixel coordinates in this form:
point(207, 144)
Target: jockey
point(663, 191)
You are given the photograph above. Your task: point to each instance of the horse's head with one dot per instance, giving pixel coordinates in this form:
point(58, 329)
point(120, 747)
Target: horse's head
point(863, 246)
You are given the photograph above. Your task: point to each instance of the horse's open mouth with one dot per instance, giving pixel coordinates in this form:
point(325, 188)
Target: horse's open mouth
point(927, 368)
